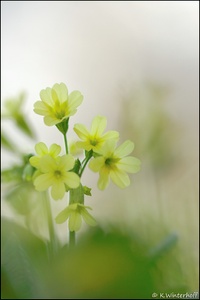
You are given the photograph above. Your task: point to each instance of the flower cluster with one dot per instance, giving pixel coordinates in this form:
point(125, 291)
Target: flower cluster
point(54, 170)
point(63, 173)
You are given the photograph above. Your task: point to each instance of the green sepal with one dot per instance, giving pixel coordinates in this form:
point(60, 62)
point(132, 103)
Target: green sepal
point(67, 189)
point(77, 166)
point(63, 126)
point(94, 154)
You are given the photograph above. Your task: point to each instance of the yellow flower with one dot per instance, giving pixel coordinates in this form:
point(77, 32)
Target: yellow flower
point(41, 149)
point(55, 174)
point(75, 212)
point(56, 104)
point(94, 139)
point(114, 163)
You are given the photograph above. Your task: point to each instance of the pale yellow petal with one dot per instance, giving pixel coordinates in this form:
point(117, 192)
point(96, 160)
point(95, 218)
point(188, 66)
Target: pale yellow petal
point(129, 164)
point(70, 113)
point(47, 164)
point(75, 221)
point(120, 178)
point(98, 126)
point(88, 218)
point(41, 108)
point(103, 179)
point(66, 162)
point(43, 182)
point(55, 98)
point(108, 148)
point(84, 145)
point(46, 97)
point(63, 215)
point(50, 121)
point(36, 174)
point(124, 149)
point(41, 149)
point(61, 91)
point(57, 190)
point(34, 161)
point(81, 131)
point(74, 100)
point(96, 163)
point(54, 150)
point(71, 179)
point(111, 135)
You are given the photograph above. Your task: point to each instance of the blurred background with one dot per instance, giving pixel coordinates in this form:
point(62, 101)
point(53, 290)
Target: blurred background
point(135, 62)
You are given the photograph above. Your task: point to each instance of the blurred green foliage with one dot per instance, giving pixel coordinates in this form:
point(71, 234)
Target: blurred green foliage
point(145, 120)
point(14, 110)
point(104, 265)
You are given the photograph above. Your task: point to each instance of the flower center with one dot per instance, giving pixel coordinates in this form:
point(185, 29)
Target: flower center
point(57, 174)
point(93, 142)
point(60, 114)
point(60, 110)
point(110, 162)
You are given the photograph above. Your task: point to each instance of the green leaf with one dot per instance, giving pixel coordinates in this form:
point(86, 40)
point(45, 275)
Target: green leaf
point(6, 143)
point(24, 126)
point(163, 247)
point(23, 258)
point(13, 111)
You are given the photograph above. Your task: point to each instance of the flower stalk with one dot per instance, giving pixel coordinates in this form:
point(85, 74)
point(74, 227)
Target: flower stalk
point(63, 174)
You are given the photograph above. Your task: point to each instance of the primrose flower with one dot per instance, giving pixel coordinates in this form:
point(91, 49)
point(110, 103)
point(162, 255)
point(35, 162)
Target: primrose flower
point(114, 163)
point(94, 139)
point(56, 104)
point(75, 212)
point(55, 174)
point(41, 149)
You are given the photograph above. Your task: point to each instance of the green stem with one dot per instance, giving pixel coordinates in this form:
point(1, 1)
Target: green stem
point(65, 140)
point(85, 163)
point(53, 242)
point(72, 234)
point(72, 238)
